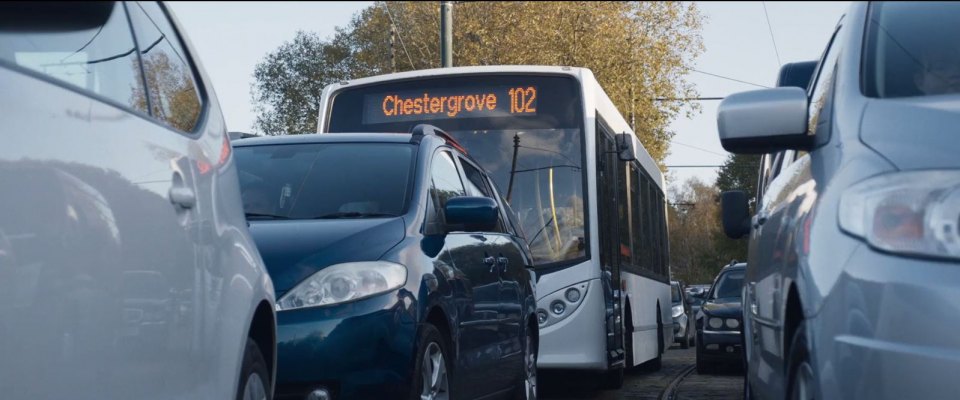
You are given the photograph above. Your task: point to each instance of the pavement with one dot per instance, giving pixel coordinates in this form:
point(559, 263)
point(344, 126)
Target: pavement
point(642, 384)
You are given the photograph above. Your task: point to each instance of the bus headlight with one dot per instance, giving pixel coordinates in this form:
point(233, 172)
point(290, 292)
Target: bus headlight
point(560, 304)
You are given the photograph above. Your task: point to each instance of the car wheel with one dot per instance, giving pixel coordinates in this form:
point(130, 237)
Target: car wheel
point(612, 379)
point(254, 376)
point(431, 374)
point(527, 389)
point(703, 367)
point(801, 380)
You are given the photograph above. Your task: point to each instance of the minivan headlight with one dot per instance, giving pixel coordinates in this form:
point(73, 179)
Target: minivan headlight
point(915, 212)
point(344, 282)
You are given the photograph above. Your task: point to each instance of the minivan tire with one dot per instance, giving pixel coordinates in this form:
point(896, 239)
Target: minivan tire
point(799, 365)
point(254, 367)
point(430, 337)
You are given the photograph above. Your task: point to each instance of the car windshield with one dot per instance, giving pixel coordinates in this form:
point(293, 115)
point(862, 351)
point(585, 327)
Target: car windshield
point(324, 180)
point(675, 293)
point(729, 285)
point(911, 49)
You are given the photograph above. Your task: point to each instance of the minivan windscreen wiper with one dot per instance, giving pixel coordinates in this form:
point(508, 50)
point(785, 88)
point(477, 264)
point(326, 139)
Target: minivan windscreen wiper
point(264, 216)
point(352, 214)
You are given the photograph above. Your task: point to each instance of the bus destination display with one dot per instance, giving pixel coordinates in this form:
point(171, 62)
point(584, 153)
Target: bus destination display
point(454, 103)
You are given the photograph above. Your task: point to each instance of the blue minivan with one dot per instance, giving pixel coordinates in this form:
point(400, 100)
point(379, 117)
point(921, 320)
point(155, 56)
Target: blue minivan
point(399, 270)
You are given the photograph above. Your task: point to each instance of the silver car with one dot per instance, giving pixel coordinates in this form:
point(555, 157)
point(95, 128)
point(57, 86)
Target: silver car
point(854, 260)
point(126, 268)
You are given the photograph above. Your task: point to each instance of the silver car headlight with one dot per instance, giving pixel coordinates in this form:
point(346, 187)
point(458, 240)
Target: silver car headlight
point(914, 212)
point(677, 311)
point(344, 282)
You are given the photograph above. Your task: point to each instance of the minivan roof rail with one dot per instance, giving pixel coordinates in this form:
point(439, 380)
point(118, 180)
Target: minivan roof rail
point(422, 130)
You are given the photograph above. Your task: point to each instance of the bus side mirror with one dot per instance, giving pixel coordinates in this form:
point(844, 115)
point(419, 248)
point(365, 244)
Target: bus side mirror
point(625, 147)
point(735, 213)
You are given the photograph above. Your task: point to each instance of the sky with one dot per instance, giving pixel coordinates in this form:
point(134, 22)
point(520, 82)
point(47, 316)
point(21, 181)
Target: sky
point(231, 38)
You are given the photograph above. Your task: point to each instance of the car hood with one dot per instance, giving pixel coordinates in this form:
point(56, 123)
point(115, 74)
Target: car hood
point(914, 133)
point(724, 308)
point(294, 250)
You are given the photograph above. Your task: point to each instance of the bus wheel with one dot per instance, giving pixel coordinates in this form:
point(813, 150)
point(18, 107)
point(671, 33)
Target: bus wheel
point(612, 379)
point(657, 362)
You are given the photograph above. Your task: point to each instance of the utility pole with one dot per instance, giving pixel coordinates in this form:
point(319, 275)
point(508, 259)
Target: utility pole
point(393, 50)
point(446, 34)
point(513, 168)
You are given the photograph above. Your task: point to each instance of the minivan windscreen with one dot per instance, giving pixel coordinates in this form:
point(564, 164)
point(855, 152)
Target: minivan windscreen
point(729, 285)
point(675, 293)
point(324, 180)
point(911, 49)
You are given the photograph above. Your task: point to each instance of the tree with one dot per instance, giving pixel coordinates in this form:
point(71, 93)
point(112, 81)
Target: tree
point(739, 172)
point(290, 80)
point(637, 50)
point(694, 227)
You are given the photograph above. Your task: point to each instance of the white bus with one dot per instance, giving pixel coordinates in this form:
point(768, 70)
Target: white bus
point(596, 224)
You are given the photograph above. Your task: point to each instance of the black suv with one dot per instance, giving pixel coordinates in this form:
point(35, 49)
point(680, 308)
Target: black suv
point(720, 320)
point(399, 270)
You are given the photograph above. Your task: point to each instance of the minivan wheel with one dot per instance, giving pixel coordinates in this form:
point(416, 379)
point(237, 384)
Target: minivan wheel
point(527, 389)
point(801, 381)
point(685, 342)
point(431, 375)
point(254, 377)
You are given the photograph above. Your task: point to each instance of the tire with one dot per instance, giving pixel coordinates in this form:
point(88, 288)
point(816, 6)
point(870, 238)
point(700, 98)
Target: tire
point(612, 379)
point(703, 367)
point(431, 343)
point(254, 375)
point(527, 388)
point(657, 363)
point(628, 339)
point(800, 378)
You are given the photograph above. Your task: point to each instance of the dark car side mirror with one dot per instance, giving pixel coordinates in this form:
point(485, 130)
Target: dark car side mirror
point(471, 214)
point(735, 213)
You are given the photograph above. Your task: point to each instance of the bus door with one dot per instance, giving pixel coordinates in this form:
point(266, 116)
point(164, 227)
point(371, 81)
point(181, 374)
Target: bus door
point(609, 231)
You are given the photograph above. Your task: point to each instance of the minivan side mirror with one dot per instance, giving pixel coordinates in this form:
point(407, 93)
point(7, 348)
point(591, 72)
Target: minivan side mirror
point(764, 121)
point(625, 147)
point(735, 213)
point(471, 214)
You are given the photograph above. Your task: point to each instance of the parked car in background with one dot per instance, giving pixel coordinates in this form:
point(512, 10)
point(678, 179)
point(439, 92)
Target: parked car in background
point(718, 327)
point(400, 271)
point(682, 315)
point(853, 245)
point(126, 268)
point(695, 300)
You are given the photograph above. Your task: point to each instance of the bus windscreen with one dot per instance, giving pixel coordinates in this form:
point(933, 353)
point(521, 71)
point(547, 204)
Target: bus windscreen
point(535, 120)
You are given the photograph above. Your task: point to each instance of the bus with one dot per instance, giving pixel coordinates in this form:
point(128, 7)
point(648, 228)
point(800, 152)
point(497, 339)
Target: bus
point(594, 217)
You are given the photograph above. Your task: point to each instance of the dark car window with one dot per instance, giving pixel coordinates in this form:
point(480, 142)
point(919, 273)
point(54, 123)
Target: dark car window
point(331, 180)
point(729, 285)
point(475, 182)
point(675, 293)
point(911, 49)
point(174, 98)
point(100, 60)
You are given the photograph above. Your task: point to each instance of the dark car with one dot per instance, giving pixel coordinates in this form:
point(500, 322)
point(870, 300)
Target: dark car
point(682, 315)
point(399, 270)
point(720, 319)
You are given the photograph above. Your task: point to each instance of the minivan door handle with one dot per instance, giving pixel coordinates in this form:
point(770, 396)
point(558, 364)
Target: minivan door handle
point(490, 262)
point(180, 194)
point(183, 197)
